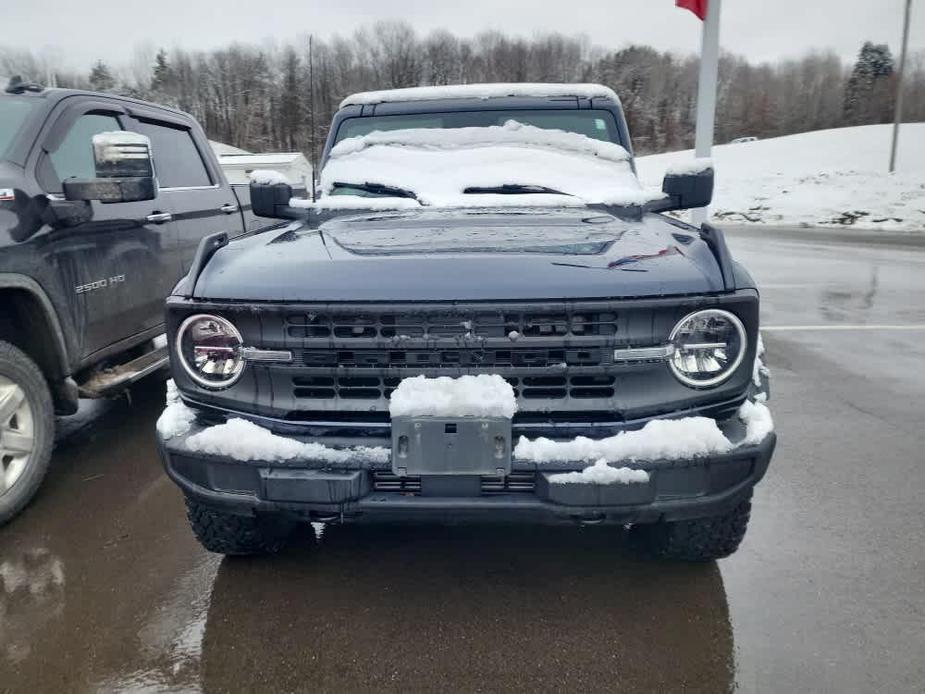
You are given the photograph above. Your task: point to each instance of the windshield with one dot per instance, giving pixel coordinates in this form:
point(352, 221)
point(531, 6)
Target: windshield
point(593, 123)
point(13, 113)
point(496, 165)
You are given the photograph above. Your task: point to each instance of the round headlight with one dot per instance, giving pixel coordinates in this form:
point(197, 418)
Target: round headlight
point(708, 347)
point(211, 350)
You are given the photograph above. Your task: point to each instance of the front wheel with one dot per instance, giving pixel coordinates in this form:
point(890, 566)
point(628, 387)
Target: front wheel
point(27, 429)
point(226, 533)
point(701, 539)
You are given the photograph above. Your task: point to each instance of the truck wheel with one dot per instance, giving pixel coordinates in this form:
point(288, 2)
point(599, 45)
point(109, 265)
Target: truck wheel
point(27, 429)
point(702, 539)
point(226, 533)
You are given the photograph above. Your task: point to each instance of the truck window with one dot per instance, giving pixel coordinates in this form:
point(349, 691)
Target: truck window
point(176, 158)
point(74, 156)
point(594, 123)
point(13, 113)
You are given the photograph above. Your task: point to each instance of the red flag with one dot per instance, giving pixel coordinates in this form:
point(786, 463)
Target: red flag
point(698, 7)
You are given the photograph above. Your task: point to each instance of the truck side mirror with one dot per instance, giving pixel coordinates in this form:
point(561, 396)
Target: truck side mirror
point(272, 200)
point(685, 190)
point(124, 170)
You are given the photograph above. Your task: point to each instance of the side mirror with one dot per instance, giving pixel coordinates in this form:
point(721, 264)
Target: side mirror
point(124, 170)
point(272, 200)
point(686, 189)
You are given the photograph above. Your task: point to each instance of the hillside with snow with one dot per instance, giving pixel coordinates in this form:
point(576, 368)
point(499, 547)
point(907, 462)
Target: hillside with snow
point(823, 178)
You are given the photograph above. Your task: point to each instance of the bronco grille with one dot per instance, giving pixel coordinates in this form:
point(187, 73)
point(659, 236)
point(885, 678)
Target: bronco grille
point(558, 356)
point(376, 387)
point(445, 324)
point(450, 358)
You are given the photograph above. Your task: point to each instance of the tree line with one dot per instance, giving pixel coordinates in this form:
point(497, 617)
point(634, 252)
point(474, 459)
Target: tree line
point(266, 97)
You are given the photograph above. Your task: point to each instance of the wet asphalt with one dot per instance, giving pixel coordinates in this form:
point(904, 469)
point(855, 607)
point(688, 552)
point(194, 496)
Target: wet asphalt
point(103, 588)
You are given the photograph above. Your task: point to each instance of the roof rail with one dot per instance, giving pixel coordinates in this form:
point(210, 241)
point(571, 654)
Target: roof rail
point(17, 85)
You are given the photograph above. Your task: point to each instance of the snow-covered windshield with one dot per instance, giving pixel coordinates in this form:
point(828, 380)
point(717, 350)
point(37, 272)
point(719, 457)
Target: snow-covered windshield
point(594, 123)
point(13, 113)
point(481, 166)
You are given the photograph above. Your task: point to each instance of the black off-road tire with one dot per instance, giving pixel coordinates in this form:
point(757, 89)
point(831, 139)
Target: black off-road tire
point(226, 533)
point(18, 368)
point(702, 539)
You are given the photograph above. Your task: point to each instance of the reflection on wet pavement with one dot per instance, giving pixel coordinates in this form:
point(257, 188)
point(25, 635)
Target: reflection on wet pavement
point(467, 609)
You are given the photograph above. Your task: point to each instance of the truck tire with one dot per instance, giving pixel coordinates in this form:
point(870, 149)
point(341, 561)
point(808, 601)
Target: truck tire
point(27, 429)
point(226, 533)
point(701, 539)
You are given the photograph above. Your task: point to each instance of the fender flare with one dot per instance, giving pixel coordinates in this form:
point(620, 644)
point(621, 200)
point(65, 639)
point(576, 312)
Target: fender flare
point(10, 280)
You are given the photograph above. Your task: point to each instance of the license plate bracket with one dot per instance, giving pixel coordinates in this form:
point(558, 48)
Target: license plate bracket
point(451, 446)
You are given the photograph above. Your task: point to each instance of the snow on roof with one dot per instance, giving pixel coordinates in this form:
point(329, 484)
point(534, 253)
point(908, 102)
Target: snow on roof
point(481, 91)
point(221, 149)
point(511, 133)
point(278, 158)
point(438, 165)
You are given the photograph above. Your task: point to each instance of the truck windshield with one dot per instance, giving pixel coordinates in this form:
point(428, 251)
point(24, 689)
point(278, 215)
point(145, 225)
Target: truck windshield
point(593, 123)
point(13, 113)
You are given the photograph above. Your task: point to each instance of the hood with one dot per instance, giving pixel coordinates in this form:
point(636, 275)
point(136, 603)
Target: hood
point(446, 255)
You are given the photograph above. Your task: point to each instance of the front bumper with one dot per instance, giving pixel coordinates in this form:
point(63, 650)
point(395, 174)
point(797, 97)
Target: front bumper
point(366, 491)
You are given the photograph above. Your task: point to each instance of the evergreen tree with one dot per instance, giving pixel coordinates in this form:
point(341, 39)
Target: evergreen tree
point(162, 76)
point(101, 78)
point(868, 93)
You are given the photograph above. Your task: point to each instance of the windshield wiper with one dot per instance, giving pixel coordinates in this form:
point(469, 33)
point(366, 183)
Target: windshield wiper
point(375, 189)
point(513, 189)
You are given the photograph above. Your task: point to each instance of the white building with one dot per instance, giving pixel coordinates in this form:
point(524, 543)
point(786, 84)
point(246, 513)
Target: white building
point(293, 165)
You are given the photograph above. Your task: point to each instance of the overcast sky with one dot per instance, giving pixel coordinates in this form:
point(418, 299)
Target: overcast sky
point(80, 32)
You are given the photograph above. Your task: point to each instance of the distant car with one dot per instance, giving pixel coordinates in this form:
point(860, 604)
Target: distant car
point(741, 140)
point(599, 359)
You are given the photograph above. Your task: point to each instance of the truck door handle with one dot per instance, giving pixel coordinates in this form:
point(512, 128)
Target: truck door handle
point(159, 217)
point(228, 208)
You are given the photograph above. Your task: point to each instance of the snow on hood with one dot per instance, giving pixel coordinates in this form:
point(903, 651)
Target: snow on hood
point(481, 91)
point(437, 165)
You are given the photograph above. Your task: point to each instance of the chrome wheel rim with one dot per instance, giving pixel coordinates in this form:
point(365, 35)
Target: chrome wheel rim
point(17, 433)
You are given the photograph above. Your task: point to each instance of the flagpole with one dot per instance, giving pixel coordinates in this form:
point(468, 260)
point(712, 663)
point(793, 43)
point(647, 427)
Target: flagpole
point(706, 92)
point(898, 116)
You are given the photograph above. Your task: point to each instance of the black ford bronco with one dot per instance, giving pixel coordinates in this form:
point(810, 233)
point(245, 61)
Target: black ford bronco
point(626, 341)
point(93, 237)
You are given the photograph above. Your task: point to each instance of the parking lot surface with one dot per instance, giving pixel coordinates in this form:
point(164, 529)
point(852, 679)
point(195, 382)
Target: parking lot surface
point(103, 588)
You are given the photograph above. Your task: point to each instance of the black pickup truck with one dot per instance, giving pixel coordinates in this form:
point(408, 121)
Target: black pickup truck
point(88, 251)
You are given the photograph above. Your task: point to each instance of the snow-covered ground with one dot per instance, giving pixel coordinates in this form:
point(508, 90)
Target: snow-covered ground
point(824, 178)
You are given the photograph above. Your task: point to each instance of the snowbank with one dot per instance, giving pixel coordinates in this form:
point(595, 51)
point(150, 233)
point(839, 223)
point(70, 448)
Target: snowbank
point(480, 91)
point(177, 417)
point(602, 473)
point(824, 178)
point(438, 165)
point(267, 177)
point(245, 441)
point(467, 396)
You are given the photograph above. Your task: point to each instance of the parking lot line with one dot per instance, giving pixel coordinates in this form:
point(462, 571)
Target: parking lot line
point(788, 328)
